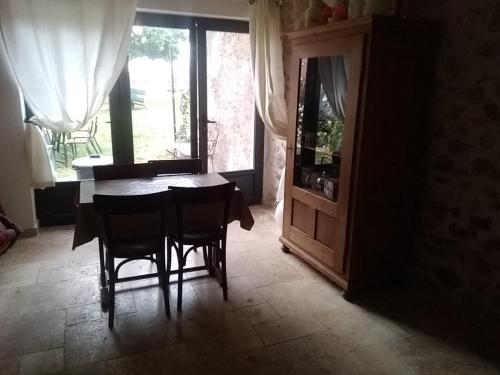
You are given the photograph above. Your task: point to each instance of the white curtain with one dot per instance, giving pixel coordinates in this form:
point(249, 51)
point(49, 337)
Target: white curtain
point(267, 63)
point(269, 77)
point(66, 56)
point(333, 72)
point(40, 156)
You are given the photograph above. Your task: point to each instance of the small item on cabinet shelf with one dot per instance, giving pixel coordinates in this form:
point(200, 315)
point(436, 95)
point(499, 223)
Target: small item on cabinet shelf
point(313, 180)
point(340, 11)
point(330, 188)
point(326, 14)
point(305, 176)
point(313, 13)
point(320, 181)
point(355, 8)
point(384, 7)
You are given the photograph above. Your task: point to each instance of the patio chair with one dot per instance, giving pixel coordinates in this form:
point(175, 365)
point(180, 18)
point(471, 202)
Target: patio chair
point(133, 245)
point(208, 231)
point(178, 166)
point(83, 137)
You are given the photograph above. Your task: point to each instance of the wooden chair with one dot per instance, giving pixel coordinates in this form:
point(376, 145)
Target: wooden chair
point(209, 234)
point(118, 172)
point(134, 244)
point(122, 171)
point(177, 166)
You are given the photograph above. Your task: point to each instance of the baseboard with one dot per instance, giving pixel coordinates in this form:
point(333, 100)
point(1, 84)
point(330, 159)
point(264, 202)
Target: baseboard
point(29, 232)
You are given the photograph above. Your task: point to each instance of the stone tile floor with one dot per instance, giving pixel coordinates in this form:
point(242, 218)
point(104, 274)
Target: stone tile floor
point(281, 318)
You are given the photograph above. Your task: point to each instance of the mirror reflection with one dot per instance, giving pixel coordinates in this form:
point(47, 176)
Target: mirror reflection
point(320, 123)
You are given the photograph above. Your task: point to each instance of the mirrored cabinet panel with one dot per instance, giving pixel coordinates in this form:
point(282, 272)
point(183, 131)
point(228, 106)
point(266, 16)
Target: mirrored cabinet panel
point(321, 111)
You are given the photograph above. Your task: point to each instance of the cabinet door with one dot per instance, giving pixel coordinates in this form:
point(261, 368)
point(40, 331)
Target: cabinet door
point(322, 114)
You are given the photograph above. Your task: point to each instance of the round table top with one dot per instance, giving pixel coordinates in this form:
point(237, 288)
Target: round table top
point(90, 161)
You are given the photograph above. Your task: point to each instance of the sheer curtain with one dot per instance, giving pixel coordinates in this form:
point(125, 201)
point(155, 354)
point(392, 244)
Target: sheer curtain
point(66, 57)
point(267, 56)
point(269, 77)
point(333, 77)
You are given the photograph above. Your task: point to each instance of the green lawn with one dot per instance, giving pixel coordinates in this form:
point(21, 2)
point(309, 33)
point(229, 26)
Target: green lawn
point(152, 135)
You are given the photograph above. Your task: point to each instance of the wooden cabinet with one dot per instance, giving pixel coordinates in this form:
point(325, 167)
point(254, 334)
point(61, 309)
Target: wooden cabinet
point(357, 93)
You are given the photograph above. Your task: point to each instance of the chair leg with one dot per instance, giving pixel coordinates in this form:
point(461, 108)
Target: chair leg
point(112, 276)
point(93, 144)
point(65, 151)
point(180, 261)
point(224, 276)
point(158, 264)
point(101, 263)
point(210, 260)
point(98, 146)
point(163, 281)
point(169, 261)
point(205, 257)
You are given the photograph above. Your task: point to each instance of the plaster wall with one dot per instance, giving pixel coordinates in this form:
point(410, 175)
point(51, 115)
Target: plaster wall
point(15, 175)
point(234, 9)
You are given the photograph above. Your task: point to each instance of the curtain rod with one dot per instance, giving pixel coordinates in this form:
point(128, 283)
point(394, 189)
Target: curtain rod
point(277, 2)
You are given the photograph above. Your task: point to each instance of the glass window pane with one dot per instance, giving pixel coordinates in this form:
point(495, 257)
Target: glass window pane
point(75, 153)
point(159, 90)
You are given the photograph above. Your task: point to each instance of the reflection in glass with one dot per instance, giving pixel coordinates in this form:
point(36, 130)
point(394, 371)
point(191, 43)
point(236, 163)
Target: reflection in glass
point(320, 123)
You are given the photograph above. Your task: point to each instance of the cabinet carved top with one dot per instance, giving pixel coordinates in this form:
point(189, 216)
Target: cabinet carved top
point(361, 25)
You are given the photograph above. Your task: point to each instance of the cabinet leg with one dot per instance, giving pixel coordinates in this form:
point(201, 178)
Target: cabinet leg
point(348, 295)
point(285, 249)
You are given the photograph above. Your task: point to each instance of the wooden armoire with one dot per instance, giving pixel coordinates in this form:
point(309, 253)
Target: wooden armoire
point(356, 117)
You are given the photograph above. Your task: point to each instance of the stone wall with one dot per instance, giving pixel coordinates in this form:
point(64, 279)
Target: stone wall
point(458, 243)
point(459, 247)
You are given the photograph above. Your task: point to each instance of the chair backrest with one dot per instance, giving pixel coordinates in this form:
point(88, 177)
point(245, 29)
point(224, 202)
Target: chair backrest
point(128, 207)
point(177, 166)
point(189, 198)
point(122, 171)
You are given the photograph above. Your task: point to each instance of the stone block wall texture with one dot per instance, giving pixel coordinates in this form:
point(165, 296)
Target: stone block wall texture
point(457, 247)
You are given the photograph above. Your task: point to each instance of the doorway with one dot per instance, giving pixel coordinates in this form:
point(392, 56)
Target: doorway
point(186, 92)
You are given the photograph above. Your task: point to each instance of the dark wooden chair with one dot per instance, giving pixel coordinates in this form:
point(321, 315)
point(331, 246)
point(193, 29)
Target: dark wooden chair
point(135, 244)
point(177, 166)
point(118, 172)
point(209, 232)
point(122, 171)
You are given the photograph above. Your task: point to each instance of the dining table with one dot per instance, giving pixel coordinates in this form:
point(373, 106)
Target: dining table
point(89, 223)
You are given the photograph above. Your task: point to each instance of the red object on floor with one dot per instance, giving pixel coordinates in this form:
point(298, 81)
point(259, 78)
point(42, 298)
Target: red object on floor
point(9, 232)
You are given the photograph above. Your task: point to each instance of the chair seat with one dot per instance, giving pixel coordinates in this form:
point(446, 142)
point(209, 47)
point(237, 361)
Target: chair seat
point(136, 247)
point(198, 237)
